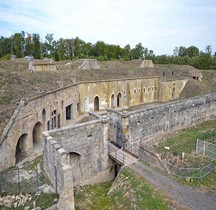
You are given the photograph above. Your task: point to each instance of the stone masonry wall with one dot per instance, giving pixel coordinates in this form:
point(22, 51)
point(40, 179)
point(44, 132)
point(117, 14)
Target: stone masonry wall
point(59, 171)
point(40, 111)
point(87, 151)
point(151, 123)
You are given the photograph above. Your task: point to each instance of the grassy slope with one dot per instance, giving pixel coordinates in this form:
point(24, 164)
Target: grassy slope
point(130, 191)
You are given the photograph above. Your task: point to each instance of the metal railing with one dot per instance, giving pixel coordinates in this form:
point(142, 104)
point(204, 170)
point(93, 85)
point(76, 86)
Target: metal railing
point(16, 181)
point(206, 149)
point(193, 173)
point(113, 153)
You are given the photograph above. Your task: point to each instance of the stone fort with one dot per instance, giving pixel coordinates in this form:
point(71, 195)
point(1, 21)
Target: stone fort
point(129, 112)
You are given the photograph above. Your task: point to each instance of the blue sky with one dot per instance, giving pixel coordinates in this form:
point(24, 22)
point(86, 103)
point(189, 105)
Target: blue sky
point(160, 25)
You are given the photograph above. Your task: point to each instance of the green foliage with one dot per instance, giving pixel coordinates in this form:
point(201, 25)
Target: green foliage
point(63, 49)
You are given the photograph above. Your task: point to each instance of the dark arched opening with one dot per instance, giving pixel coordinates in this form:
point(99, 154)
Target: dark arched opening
point(112, 101)
point(37, 135)
point(96, 103)
point(119, 101)
point(21, 148)
point(76, 166)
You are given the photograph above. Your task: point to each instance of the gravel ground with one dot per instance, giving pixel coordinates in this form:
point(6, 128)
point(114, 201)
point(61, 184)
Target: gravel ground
point(183, 196)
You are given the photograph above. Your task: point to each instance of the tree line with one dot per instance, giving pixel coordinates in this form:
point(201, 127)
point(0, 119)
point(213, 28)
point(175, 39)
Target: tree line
point(76, 48)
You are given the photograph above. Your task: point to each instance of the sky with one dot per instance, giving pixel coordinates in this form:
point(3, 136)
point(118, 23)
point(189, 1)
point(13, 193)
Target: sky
point(160, 25)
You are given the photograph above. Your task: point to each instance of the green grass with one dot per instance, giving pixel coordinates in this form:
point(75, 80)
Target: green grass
point(130, 191)
point(185, 141)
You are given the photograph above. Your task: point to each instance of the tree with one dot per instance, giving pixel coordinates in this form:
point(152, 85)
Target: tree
point(137, 52)
point(192, 51)
point(49, 45)
point(176, 51)
point(182, 51)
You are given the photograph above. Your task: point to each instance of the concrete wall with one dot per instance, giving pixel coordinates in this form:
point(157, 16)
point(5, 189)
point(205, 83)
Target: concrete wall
point(45, 67)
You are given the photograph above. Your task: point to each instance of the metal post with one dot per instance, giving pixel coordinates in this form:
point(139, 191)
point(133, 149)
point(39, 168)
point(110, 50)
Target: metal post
point(204, 149)
point(19, 184)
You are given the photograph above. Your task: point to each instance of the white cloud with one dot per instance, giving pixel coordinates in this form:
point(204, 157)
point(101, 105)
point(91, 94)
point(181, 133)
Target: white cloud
point(159, 25)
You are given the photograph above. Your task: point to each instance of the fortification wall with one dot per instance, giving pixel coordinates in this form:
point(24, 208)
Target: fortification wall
point(59, 171)
point(118, 93)
point(60, 107)
point(87, 152)
point(151, 123)
point(34, 116)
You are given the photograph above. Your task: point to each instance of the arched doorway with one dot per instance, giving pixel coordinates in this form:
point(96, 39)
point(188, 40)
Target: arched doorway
point(119, 100)
point(21, 148)
point(96, 103)
point(173, 92)
point(86, 104)
point(76, 166)
point(37, 135)
point(112, 101)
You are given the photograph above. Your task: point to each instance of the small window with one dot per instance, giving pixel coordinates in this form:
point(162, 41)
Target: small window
point(152, 88)
point(68, 112)
point(129, 91)
point(144, 90)
point(148, 89)
point(139, 90)
point(163, 73)
point(172, 73)
point(125, 92)
point(134, 90)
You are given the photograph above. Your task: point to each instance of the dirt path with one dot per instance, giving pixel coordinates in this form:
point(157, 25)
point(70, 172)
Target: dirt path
point(184, 196)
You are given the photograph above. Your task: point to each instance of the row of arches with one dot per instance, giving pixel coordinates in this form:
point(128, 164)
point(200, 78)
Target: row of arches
point(24, 145)
point(97, 102)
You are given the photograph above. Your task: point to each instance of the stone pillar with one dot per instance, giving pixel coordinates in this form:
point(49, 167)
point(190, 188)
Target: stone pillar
point(125, 127)
point(66, 200)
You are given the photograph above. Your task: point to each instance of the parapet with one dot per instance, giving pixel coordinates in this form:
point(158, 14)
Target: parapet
point(89, 64)
point(147, 64)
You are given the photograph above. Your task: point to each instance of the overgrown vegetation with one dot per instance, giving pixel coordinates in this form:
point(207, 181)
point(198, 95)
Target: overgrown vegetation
point(31, 180)
point(77, 48)
point(184, 141)
point(130, 191)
